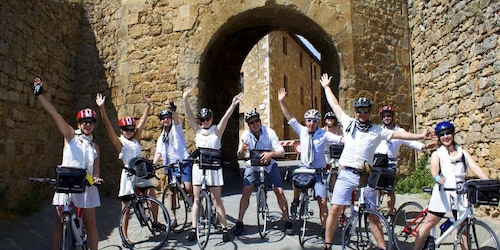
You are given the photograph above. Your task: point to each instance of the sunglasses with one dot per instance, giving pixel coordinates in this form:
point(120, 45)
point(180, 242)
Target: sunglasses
point(384, 116)
point(128, 129)
point(253, 122)
point(362, 111)
point(165, 117)
point(205, 119)
point(441, 134)
point(87, 121)
point(312, 120)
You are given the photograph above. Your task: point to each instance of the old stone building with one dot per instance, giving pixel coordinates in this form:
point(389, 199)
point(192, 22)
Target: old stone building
point(280, 60)
point(432, 60)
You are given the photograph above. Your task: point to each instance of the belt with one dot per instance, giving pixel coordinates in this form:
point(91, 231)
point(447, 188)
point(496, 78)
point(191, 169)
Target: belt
point(354, 170)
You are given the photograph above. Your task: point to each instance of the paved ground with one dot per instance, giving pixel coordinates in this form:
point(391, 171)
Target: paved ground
point(34, 232)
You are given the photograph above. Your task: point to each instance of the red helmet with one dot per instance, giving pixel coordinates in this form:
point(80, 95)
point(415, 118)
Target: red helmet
point(386, 109)
point(126, 121)
point(86, 114)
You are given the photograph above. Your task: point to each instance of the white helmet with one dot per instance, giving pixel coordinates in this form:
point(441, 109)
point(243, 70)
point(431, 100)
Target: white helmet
point(312, 114)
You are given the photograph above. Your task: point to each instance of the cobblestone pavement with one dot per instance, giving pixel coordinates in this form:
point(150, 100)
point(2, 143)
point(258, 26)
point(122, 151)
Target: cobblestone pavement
point(34, 232)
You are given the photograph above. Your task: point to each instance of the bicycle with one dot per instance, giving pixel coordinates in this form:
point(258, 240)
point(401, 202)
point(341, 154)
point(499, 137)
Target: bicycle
point(206, 216)
point(179, 203)
point(357, 233)
point(144, 221)
point(69, 180)
point(480, 236)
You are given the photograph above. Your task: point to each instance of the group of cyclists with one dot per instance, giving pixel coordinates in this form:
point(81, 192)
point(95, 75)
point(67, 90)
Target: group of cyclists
point(361, 140)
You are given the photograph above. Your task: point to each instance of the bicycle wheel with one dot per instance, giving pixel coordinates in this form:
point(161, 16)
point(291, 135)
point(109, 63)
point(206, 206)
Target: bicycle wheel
point(479, 236)
point(262, 211)
point(67, 233)
point(359, 233)
point(204, 219)
point(404, 224)
point(177, 207)
point(138, 228)
point(303, 216)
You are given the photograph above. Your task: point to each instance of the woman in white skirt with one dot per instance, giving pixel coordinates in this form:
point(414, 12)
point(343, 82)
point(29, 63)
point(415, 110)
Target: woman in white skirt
point(208, 135)
point(449, 164)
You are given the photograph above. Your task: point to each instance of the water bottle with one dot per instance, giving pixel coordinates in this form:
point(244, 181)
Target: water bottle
point(446, 225)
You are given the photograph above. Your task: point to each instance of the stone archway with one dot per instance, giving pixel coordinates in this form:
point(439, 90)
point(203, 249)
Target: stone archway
point(221, 61)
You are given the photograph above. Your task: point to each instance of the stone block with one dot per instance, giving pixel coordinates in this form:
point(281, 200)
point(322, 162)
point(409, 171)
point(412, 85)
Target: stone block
point(186, 16)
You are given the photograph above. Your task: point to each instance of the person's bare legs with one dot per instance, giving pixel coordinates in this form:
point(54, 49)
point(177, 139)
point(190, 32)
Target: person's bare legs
point(332, 223)
point(323, 211)
point(430, 222)
point(56, 235)
point(219, 207)
point(391, 203)
point(244, 201)
point(196, 203)
point(376, 229)
point(88, 215)
point(282, 202)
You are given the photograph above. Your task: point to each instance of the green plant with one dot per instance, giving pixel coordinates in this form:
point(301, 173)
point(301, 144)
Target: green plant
point(419, 178)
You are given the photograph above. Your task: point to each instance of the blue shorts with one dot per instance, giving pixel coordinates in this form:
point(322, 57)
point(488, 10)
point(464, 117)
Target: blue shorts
point(186, 176)
point(346, 182)
point(273, 178)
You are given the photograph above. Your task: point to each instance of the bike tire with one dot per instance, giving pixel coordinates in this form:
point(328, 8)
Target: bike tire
point(204, 219)
point(303, 217)
point(358, 235)
point(403, 232)
point(141, 233)
point(479, 236)
point(262, 211)
point(177, 207)
point(67, 233)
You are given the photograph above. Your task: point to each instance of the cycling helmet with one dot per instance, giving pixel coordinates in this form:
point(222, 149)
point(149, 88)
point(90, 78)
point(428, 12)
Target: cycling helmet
point(444, 126)
point(363, 102)
point(250, 114)
point(126, 121)
point(312, 114)
point(205, 113)
point(330, 115)
point(85, 114)
point(164, 113)
point(388, 109)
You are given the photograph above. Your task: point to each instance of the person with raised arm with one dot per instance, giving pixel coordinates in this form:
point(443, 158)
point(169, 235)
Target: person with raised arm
point(208, 135)
point(361, 138)
point(80, 151)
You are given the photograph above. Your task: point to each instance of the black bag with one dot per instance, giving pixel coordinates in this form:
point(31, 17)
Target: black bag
point(303, 180)
point(210, 158)
point(381, 178)
point(483, 192)
point(336, 150)
point(255, 155)
point(142, 167)
point(380, 160)
point(70, 179)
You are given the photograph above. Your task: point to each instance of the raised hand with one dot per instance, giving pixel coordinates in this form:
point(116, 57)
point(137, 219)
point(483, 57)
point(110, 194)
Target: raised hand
point(100, 99)
point(38, 86)
point(186, 92)
point(281, 94)
point(147, 100)
point(237, 98)
point(325, 80)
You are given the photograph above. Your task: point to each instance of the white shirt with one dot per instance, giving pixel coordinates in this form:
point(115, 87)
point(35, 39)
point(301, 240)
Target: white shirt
point(320, 139)
point(268, 140)
point(391, 147)
point(175, 148)
point(360, 146)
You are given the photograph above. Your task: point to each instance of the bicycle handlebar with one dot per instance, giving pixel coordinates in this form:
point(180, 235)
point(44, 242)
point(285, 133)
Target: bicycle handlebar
point(52, 181)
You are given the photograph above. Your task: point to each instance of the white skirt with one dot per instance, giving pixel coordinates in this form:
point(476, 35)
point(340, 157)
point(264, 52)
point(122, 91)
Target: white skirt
point(214, 177)
point(88, 199)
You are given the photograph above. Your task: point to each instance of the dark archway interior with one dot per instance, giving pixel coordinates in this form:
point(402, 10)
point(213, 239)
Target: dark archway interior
point(221, 61)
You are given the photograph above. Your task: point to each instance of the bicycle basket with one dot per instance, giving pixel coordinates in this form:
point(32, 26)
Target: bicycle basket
point(255, 155)
point(210, 158)
point(380, 160)
point(382, 178)
point(70, 179)
point(483, 192)
point(142, 167)
point(336, 150)
point(302, 180)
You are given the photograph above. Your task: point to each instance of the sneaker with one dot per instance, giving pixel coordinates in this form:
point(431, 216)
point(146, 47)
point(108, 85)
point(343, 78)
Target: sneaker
point(173, 223)
point(288, 227)
point(390, 218)
point(192, 235)
point(158, 227)
point(293, 209)
point(327, 246)
point(225, 235)
point(238, 229)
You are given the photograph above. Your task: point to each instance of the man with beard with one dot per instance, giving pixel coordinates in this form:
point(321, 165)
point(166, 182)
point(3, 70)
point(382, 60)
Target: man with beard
point(361, 138)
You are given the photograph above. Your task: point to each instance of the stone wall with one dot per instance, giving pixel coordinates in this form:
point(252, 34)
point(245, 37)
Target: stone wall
point(456, 68)
point(37, 38)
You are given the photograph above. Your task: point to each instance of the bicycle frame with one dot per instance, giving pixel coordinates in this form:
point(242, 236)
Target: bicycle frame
point(173, 182)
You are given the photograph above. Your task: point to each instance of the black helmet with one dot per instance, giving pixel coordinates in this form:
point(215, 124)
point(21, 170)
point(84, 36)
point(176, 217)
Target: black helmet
point(205, 113)
point(164, 113)
point(330, 115)
point(363, 102)
point(250, 114)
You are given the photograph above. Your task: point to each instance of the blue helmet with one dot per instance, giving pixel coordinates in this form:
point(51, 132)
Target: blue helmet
point(444, 126)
